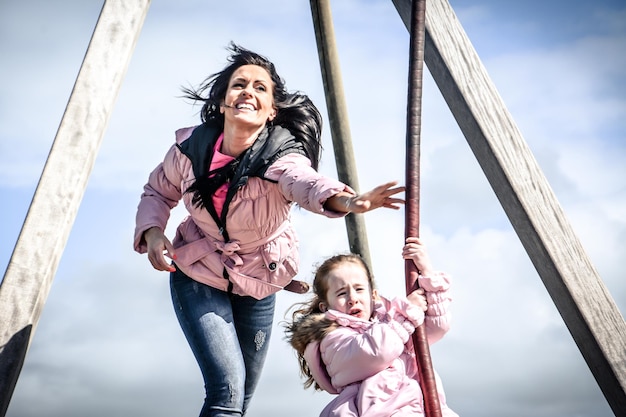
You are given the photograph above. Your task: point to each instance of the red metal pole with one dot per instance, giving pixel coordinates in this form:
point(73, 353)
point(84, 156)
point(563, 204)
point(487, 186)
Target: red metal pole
point(414, 118)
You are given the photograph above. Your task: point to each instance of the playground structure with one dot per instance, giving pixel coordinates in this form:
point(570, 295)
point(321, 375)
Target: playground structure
point(499, 148)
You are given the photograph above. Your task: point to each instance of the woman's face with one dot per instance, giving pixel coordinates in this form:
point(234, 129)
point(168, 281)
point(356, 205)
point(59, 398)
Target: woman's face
point(250, 97)
point(349, 291)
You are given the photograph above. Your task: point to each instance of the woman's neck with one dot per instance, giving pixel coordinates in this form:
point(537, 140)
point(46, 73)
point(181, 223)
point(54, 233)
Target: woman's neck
point(237, 140)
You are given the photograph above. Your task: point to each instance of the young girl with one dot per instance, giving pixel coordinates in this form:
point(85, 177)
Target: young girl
point(352, 342)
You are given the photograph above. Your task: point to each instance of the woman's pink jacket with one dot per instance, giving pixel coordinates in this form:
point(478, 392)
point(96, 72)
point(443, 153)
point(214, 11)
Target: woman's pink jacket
point(262, 255)
point(371, 364)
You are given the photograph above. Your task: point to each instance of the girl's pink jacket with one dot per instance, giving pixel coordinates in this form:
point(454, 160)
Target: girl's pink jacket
point(371, 364)
point(262, 255)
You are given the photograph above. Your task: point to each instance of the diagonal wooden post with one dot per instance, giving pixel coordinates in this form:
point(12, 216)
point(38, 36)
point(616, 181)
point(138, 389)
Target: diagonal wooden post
point(587, 308)
point(428, 384)
point(52, 212)
point(338, 116)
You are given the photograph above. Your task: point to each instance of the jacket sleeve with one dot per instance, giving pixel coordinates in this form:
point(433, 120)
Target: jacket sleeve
point(160, 195)
point(352, 355)
point(299, 182)
point(438, 297)
point(316, 366)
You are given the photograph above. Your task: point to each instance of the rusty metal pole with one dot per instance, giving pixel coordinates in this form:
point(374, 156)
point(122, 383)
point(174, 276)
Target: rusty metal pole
point(338, 116)
point(43, 237)
point(574, 284)
point(428, 384)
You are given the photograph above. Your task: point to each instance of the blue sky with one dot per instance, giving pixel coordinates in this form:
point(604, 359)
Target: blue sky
point(108, 342)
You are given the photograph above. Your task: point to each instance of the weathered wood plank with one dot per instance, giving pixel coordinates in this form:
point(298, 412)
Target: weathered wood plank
point(52, 212)
point(577, 290)
point(339, 121)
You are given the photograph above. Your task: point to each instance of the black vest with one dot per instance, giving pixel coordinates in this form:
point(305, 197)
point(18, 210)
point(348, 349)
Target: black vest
point(272, 143)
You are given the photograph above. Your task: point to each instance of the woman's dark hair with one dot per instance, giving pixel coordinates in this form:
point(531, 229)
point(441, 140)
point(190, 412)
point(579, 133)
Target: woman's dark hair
point(296, 112)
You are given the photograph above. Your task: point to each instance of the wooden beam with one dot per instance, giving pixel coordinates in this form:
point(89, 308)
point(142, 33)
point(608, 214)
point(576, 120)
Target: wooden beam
point(52, 212)
point(577, 290)
point(339, 121)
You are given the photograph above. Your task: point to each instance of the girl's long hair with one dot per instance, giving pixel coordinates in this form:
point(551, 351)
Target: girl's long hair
point(309, 323)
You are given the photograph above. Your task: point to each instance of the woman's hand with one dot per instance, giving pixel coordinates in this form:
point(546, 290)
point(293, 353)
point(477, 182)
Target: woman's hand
point(158, 246)
point(380, 196)
point(416, 251)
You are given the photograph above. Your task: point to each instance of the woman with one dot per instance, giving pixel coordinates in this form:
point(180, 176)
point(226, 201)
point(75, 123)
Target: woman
point(239, 173)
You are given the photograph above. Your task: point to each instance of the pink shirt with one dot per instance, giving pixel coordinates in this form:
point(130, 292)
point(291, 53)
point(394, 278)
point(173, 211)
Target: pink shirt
point(218, 161)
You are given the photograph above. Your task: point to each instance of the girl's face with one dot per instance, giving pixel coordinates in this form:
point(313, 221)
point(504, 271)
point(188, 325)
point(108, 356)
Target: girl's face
point(349, 291)
point(250, 97)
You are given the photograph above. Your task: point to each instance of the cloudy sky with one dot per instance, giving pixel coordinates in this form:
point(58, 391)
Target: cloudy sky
point(108, 343)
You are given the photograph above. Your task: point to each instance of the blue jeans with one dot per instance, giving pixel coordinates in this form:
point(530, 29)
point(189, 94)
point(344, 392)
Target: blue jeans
point(229, 336)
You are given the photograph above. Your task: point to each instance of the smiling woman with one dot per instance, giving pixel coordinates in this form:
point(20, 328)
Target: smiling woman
point(248, 103)
point(239, 173)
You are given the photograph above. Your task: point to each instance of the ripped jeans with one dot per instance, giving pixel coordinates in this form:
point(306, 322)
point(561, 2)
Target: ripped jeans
point(229, 336)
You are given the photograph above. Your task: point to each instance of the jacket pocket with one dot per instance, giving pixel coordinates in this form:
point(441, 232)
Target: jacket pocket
point(281, 259)
point(268, 269)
